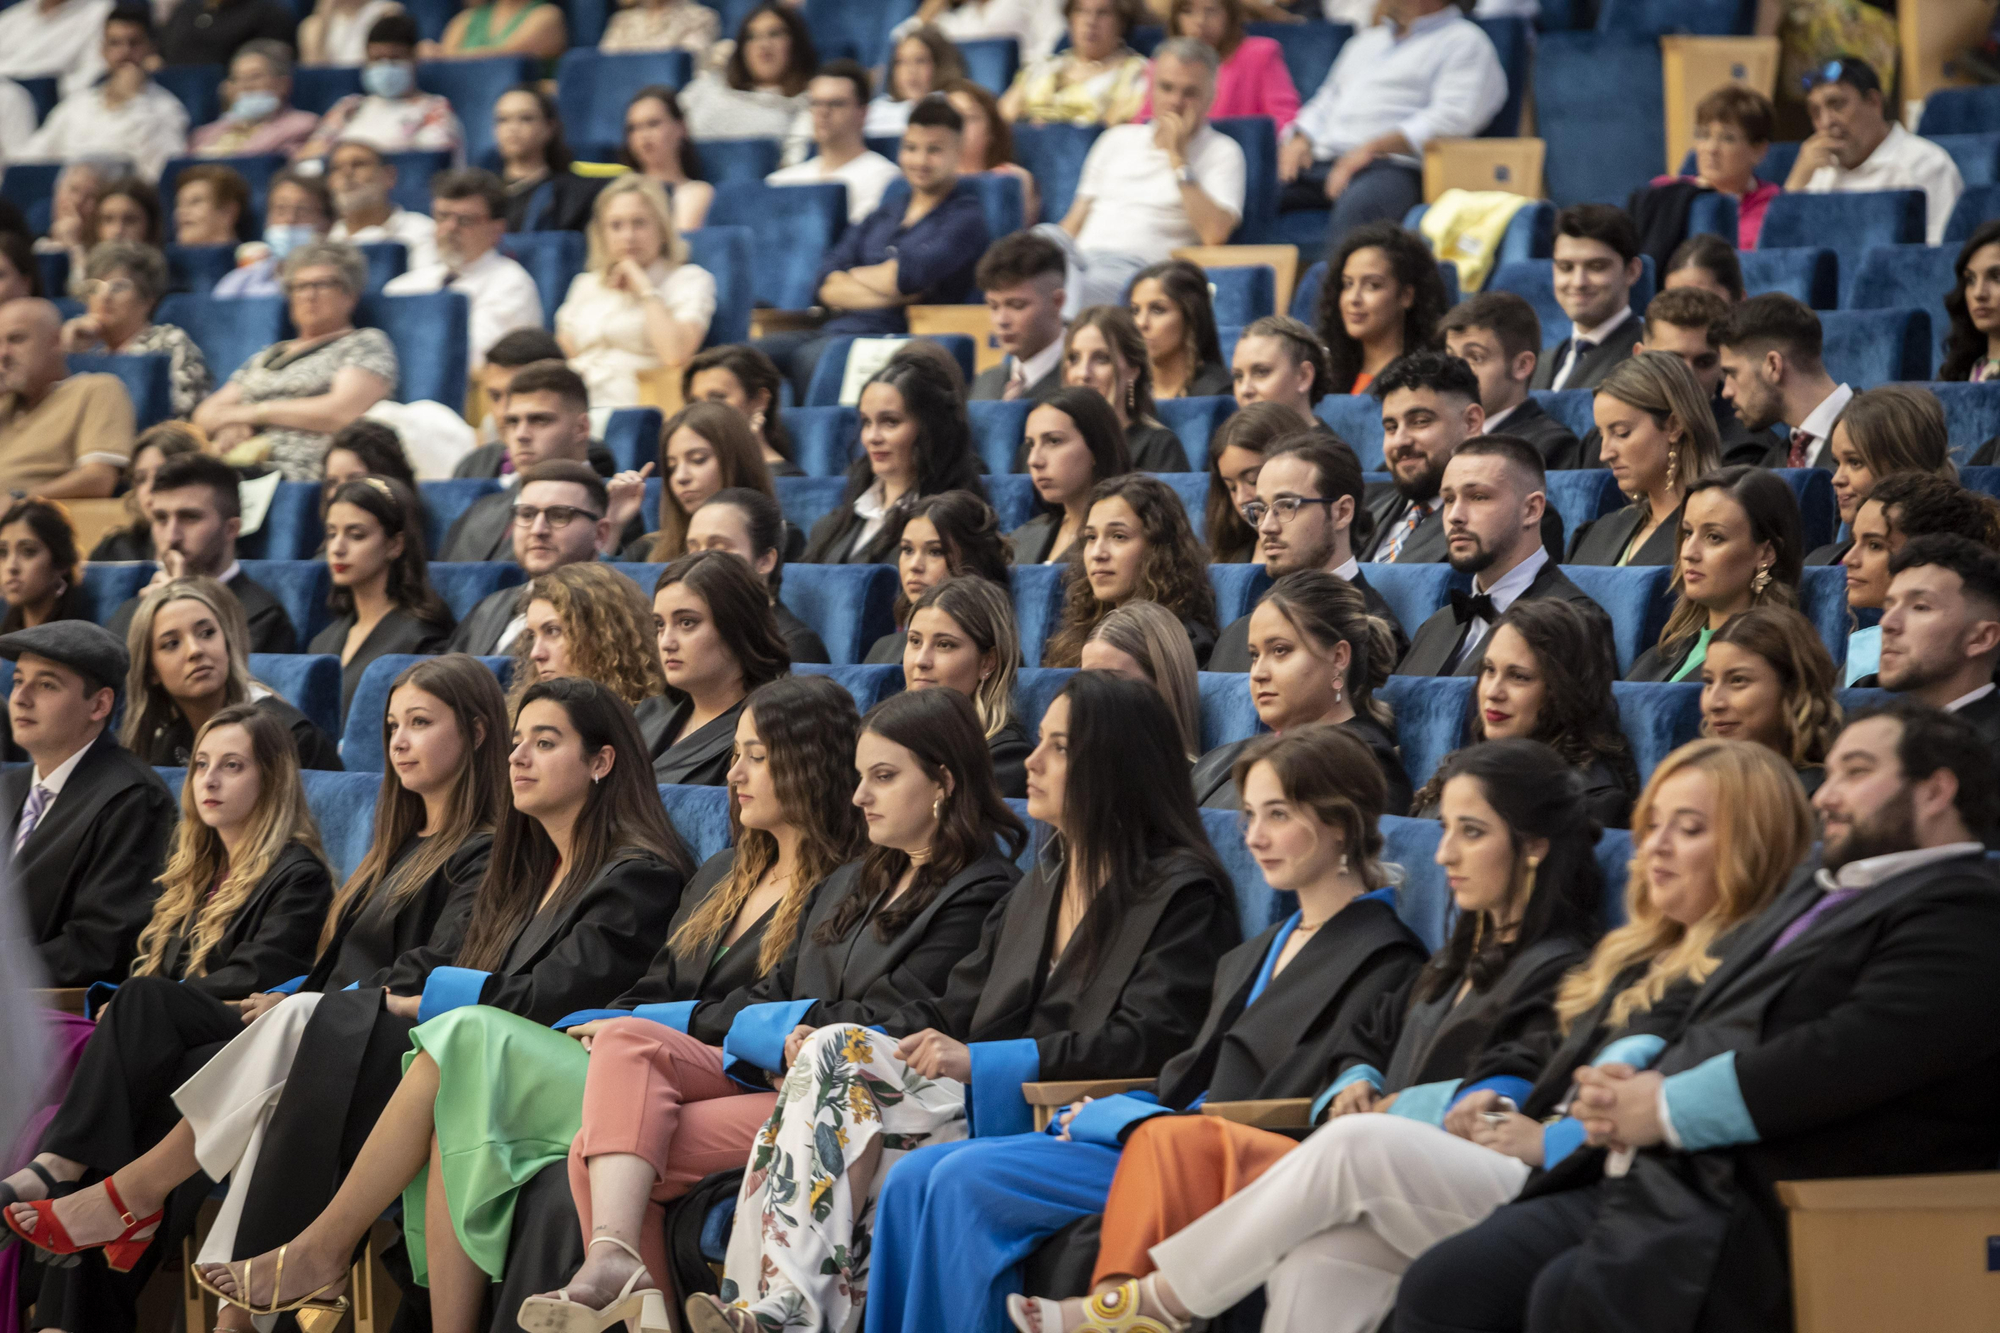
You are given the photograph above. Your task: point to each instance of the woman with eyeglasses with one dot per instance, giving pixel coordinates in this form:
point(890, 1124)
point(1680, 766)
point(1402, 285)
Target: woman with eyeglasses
point(124, 282)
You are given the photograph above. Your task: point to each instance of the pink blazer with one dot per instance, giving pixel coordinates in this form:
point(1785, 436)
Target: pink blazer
point(1253, 82)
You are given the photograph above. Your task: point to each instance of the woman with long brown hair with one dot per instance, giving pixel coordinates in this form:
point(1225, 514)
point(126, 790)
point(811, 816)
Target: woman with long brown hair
point(948, 536)
point(41, 577)
point(1235, 457)
point(718, 640)
point(1136, 545)
point(155, 445)
point(1769, 680)
point(1104, 350)
point(382, 597)
point(1890, 428)
point(962, 637)
point(704, 448)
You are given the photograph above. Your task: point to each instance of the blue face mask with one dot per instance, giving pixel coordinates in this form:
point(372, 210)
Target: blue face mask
point(283, 238)
point(392, 79)
point(253, 106)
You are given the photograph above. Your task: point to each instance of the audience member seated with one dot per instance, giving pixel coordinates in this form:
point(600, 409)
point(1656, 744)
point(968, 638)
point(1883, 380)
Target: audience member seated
point(1904, 505)
point(747, 380)
point(336, 31)
point(1941, 629)
point(1253, 80)
point(1136, 545)
point(1034, 26)
point(216, 33)
point(41, 576)
point(190, 647)
point(542, 193)
point(1499, 335)
point(1732, 132)
point(639, 306)
point(211, 206)
point(73, 209)
point(717, 642)
point(704, 448)
point(126, 115)
point(64, 39)
point(128, 209)
point(258, 116)
point(88, 822)
point(62, 436)
point(1022, 277)
point(1688, 322)
point(1768, 679)
point(558, 519)
point(298, 211)
point(1074, 442)
point(362, 182)
point(1105, 351)
point(196, 512)
point(662, 25)
point(1658, 438)
point(946, 536)
point(283, 405)
point(1492, 503)
point(1099, 80)
point(962, 637)
point(1596, 262)
point(1426, 72)
point(513, 353)
point(837, 99)
point(546, 420)
point(1893, 428)
point(1170, 304)
point(1279, 360)
point(469, 210)
point(1430, 406)
point(1769, 348)
point(501, 28)
point(915, 443)
point(987, 144)
point(1740, 548)
point(1383, 297)
point(749, 525)
point(923, 61)
point(1707, 263)
point(134, 541)
point(1148, 190)
point(760, 90)
point(1142, 641)
point(123, 284)
point(1857, 145)
point(368, 449)
point(382, 597)
point(585, 621)
point(1972, 339)
point(1235, 453)
point(658, 146)
point(20, 273)
point(389, 113)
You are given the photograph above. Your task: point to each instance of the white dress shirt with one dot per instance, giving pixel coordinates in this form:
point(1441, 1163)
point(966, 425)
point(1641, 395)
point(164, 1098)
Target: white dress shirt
point(502, 296)
point(17, 117)
point(1595, 337)
point(54, 781)
point(417, 233)
point(1136, 204)
point(1032, 370)
point(1900, 162)
point(1506, 590)
point(1819, 425)
point(68, 42)
point(866, 176)
point(1036, 24)
point(1438, 78)
point(148, 128)
point(1970, 697)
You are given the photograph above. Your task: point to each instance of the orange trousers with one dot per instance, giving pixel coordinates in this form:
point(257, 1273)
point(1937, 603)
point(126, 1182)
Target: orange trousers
point(1174, 1169)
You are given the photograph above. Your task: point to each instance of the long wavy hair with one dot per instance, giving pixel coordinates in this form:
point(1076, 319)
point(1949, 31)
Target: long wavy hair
point(755, 372)
point(1256, 428)
point(1660, 385)
point(1964, 345)
point(607, 627)
point(1147, 633)
point(1773, 510)
point(1416, 270)
point(1184, 283)
point(392, 505)
point(807, 725)
point(476, 801)
point(621, 816)
point(1173, 571)
point(1765, 829)
point(984, 612)
point(975, 545)
point(149, 709)
point(1330, 771)
point(203, 887)
point(738, 457)
point(1806, 676)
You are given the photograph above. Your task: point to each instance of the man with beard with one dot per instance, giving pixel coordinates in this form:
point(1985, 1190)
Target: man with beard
point(1941, 628)
point(1850, 1029)
point(469, 210)
point(362, 180)
point(1492, 503)
point(1770, 349)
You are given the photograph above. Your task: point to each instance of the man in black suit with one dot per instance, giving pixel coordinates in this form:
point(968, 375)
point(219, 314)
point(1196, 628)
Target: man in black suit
point(87, 820)
point(1941, 628)
point(1319, 482)
point(1022, 276)
point(1851, 1029)
point(196, 513)
point(1770, 350)
point(1493, 502)
point(1430, 406)
point(556, 519)
point(1500, 337)
point(546, 415)
point(1596, 263)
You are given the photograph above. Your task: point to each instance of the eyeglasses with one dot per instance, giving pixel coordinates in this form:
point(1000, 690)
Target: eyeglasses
point(1286, 507)
point(316, 286)
point(109, 287)
point(559, 516)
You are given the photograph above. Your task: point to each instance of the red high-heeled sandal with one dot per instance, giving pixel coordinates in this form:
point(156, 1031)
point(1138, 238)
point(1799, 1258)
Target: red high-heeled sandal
point(51, 1237)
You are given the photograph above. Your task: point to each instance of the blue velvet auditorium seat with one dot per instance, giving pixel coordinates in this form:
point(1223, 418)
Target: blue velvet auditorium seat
point(1655, 18)
point(1038, 603)
point(473, 86)
point(991, 62)
point(848, 606)
point(867, 684)
point(1053, 155)
point(1422, 899)
point(310, 682)
point(1534, 280)
point(1848, 224)
point(196, 86)
point(1869, 347)
point(1357, 419)
point(700, 815)
point(1309, 48)
point(1818, 513)
point(1034, 689)
point(1572, 407)
point(301, 587)
point(730, 161)
point(414, 169)
point(107, 586)
point(1413, 591)
point(828, 374)
point(1237, 588)
point(145, 377)
point(1430, 719)
point(315, 88)
point(30, 187)
point(1258, 138)
point(633, 437)
point(1657, 717)
point(804, 500)
point(1975, 155)
point(1713, 213)
point(1195, 421)
point(343, 805)
point(795, 225)
point(1226, 711)
point(387, 260)
point(1600, 105)
point(446, 501)
point(729, 255)
point(1638, 600)
point(1256, 906)
point(1192, 488)
point(592, 88)
point(197, 268)
point(291, 529)
point(361, 741)
point(552, 258)
point(432, 352)
point(1971, 414)
point(1583, 494)
point(1809, 273)
point(1907, 277)
point(1530, 234)
point(1978, 203)
point(1823, 601)
point(229, 332)
point(1960, 111)
point(465, 584)
point(823, 436)
point(998, 427)
point(1243, 293)
point(1012, 496)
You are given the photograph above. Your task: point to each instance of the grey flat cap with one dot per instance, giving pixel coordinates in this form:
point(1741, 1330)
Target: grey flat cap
point(77, 644)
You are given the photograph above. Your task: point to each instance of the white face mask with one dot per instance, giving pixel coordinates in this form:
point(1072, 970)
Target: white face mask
point(250, 107)
point(283, 238)
point(392, 79)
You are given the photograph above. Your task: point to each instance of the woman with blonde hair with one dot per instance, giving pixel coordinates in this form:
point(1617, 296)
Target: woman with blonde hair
point(1769, 680)
point(1142, 641)
point(962, 636)
point(189, 646)
point(590, 621)
point(704, 448)
point(639, 305)
point(1894, 428)
point(1659, 437)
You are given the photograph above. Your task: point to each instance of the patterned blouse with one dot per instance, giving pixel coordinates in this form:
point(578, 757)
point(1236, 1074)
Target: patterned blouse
point(676, 25)
point(187, 368)
point(1111, 96)
point(277, 372)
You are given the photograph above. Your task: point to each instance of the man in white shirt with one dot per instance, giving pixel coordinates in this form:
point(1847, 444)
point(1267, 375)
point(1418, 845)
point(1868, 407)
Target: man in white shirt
point(389, 111)
point(1941, 628)
point(1424, 72)
point(1856, 148)
point(60, 37)
point(1770, 348)
point(1022, 276)
point(361, 179)
point(17, 117)
point(1148, 190)
point(837, 98)
point(127, 115)
point(468, 208)
point(1596, 262)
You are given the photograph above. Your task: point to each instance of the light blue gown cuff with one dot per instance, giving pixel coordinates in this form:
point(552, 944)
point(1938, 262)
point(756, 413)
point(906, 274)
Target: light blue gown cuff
point(1426, 1101)
point(352, 985)
point(675, 1014)
point(97, 996)
point(1105, 1120)
point(449, 988)
point(999, 1068)
point(1351, 1075)
point(757, 1036)
point(1515, 1090)
point(1560, 1139)
point(582, 1016)
point(289, 987)
point(1706, 1106)
point(1637, 1051)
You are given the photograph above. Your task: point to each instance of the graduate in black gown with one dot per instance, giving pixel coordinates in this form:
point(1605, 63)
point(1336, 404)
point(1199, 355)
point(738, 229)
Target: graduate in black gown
point(962, 637)
point(705, 448)
point(382, 595)
point(717, 641)
point(586, 620)
point(1136, 545)
point(749, 524)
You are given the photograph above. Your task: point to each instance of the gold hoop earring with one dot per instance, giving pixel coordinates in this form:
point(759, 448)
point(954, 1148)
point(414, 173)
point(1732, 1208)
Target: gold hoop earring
point(1761, 581)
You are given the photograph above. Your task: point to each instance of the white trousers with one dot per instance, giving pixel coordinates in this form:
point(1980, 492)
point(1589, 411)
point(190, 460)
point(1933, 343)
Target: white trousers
point(1330, 1228)
point(229, 1104)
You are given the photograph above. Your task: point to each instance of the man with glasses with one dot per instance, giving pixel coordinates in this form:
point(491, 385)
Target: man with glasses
point(469, 208)
point(1308, 495)
point(545, 416)
point(1856, 148)
point(556, 518)
point(838, 100)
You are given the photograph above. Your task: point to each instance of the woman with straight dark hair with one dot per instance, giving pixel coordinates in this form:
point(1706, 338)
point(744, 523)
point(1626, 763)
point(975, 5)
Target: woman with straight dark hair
point(717, 641)
point(154, 446)
point(658, 146)
point(962, 636)
point(382, 597)
point(746, 379)
point(1099, 966)
point(1382, 297)
point(1972, 307)
point(915, 443)
point(704, 448)
point(1074, 441)
point(1171, 305)
point(1708, 263)
point(760, 91)
point(948, 536)
point(585, 875)
point(1890, 428)
point(543, 194)
point(1136, 545)
point(367, 448)
point(1235, 457)
point(41, 575)
point(749, 525)
point(1103, 350)
point(1741, 546)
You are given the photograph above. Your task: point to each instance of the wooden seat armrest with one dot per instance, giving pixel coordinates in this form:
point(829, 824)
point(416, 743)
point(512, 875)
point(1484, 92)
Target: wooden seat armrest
point(1062, 1094)
point(769, 319)
point(68, 1000)
point(1968, 1189)
point(1277, 1113)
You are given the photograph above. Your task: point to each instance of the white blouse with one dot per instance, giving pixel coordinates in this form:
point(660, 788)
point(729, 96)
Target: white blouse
point(607, 329)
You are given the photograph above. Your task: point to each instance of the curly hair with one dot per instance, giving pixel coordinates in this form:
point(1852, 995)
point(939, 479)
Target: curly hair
point(1416, 270)
point(608, 628)
point(1916, 504)
point(974, 541)
point(1173, 570)
point(1806, 676)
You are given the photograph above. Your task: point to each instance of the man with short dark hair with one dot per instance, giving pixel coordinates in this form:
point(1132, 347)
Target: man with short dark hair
point(196, 512)
point(86, 819)
point(1494, 500)
point(1596, 262)
point(363, 181)
point(1857, 146)
point(126, 115)
point(1500, 337)
point(1022, 277)
point(837, 99)
point(1430, 406)
point(1941, 628)
point(522, 347)
point(555, 518)
point(1280, 360)
point(545, 416)
point(469, 212)
point(1769, 348)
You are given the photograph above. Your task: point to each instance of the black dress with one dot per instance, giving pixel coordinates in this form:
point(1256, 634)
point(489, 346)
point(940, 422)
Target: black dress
point(173, 744)
point(1215, 779)
point(1154, 448)
point(396, 633)
point(1010, 750)
point(701, 759)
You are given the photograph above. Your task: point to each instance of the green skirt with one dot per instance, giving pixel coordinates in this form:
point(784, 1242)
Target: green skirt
point(510, 1102)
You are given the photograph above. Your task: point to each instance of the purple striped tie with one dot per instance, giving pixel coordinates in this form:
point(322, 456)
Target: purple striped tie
point(31, 813)
point(1810, 915)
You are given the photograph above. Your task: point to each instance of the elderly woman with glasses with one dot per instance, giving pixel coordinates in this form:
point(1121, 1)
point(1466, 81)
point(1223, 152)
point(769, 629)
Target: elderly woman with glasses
point(123, 282)
point(285, 403)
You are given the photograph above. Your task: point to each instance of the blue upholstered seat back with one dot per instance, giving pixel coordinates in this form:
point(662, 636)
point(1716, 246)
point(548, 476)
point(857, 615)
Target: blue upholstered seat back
point(823, 436)
point(633, 437)
point(1413, 591)
point(361, 740)
point(553, 259)
point(465, 584)
point(145, 377)
point(310, 682)
point(848, 606)
point(1848, 224)
point(593, 87)
point(869, 684)
point(1637, 598)
point(794, 225)
point(700, 815)
point(431, 338)
point(1657, 717)
point(1038, 603)
point(1807, 273)
point(1226, 711)
point(1866, 347)
point(998, 427)
point(1194, 420)
point(301, 587)
point(1431, 713)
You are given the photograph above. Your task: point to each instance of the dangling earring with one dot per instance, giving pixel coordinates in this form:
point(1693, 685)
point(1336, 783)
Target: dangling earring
point(757, 421)
point(1132, 396)
point(1343, 863)
point(937, 809)
point(1528, 883)
point(1673, 466)
point(1761, 581)
point(1336, 694)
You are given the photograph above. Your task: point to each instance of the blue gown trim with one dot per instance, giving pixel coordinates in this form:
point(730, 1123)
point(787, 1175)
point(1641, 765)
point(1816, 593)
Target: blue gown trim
point(449, 988)
point(994, 1102)
point(1706, 1105)
point(1426, 1102)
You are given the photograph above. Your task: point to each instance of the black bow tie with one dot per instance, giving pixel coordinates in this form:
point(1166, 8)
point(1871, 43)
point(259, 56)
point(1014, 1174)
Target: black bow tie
point(1466, 606)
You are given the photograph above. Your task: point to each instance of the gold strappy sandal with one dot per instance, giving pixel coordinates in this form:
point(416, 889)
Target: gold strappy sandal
point(314, 1313)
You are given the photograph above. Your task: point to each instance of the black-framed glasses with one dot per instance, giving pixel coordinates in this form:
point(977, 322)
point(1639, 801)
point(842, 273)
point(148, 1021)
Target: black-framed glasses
point(1286, 507)
point(559, 516)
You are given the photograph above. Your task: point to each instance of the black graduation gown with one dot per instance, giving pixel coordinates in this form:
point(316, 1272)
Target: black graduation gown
point(700, 759)
point(398, 632)
point(1155, 448)
point(1602, 540)
point(887, 650)
point(558, 202)
point(272, 936)
point(1010, 750)
point(720, 971)
point(271, 630)
point(479, 633)
point(1214, 773)
point(1832, 553)
point(1032, 540)
point(373, 932)
point(1662, 660)
point(173, 745)
point(802, 641)
point(86, 874)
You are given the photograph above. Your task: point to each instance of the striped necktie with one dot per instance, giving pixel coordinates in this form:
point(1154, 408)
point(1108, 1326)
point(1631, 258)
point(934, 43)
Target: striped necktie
point(39, 799)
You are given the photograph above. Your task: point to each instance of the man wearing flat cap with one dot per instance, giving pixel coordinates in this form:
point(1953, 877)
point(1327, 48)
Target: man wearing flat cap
point(87, 823)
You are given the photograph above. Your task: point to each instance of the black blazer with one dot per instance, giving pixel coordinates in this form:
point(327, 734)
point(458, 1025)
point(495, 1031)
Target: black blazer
point(1215, 781)
point(698, 760)
point(1210, 380)
point(1032, 540)
point(373, 932)
point(1596, 363)
point(1232, 646)
point(1830, 554)
point(398, 632)
point(1010, 750)
point(1983, 715)
point(833, 538)
point(86, 874)
point(1426, 545)
point(887, 650)
point(718, 971)
point(561, 202)
point(992, 383)
point(1661, 661)
point(485, 531)
point(270, 628)
point(802, 643)
point(1437, 637)
point(479, 633)
point(1153, 449)
point(1602, 540)
point(271, 937)
point(1556, 442)
point(173, 745)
